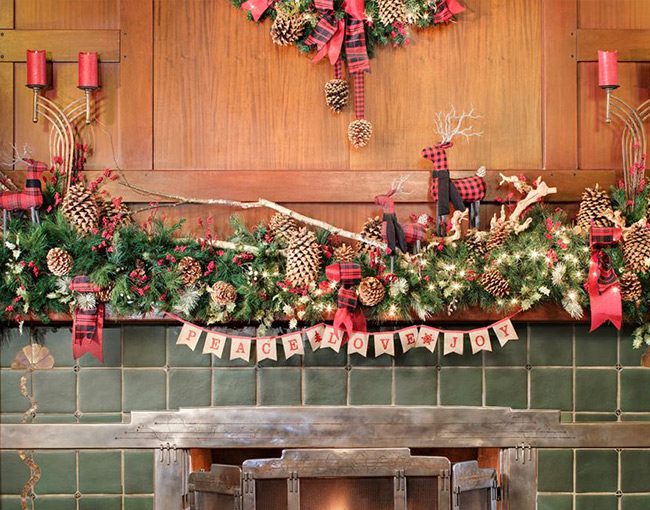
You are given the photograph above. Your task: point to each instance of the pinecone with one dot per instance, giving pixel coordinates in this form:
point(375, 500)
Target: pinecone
point(392, 11)
point(594, 204)
point(282, 225)
point(59, 262)
point(498, 235)
point(103, 295)
point(222, 293)
point(139, 274)
point(287, 28)
point(636, 248)
point(371, 230)
point(630, 286)
point(80, 208)
point(371, 291)
point(189, 270)
point(303, 258)
point(337, 94)
point(359, 133)
point(344, 253)
point(114, 213)
point(476, 245)
point(494, 282)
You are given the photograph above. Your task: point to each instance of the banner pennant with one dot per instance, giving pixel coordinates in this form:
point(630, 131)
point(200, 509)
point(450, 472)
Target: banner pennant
point(293, 344)
point(384, 344)
point(408, 337)
point(454, 342)
point(240, 348)
point(505, 331)
point(479, 339)
point(358, 343)
point(331, 339)
point(427, 338)
point(189, 336)
point(214, 344)
point(266, 348)
point(315, 336)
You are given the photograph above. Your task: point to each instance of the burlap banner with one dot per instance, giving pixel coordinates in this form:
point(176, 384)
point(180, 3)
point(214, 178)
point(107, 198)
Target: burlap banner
point(323, 336)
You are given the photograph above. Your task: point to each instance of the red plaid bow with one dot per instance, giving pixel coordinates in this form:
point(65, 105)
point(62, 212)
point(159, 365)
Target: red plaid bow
point(348, 316)
point(446, 11)
point(87, 325)
point(602, 284)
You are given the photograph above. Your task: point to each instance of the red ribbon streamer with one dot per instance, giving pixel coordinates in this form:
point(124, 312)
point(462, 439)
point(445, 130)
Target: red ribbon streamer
point(87, 325)
point(602, 284)
point(257, 7)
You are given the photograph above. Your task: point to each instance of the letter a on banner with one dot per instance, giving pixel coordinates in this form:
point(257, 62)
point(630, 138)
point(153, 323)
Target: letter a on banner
point(408, 337)
point(240, 348)
point(454, 342)
point(384, 344)
point(480, 340)
point(358, 343)
point(293, 344)
point(427, 338)
point(189, 336)
point(315, 336)
point(214, 344)
point(505, 331)
point(331, 339)
point(266, 349)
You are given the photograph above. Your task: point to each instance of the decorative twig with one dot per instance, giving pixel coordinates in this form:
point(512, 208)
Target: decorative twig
point(449, 124)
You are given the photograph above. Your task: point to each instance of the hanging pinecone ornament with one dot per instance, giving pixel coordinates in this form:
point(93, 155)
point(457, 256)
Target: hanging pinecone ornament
point(631, 289)
point(80, 208)
point(494, 283)
point(303, 258)
point(189, 270)
point(392, 11)
point(282, 225)
point(59, 262)
point(498, 235)
point(636, 248)
point(360, 130)
point(594, 204)
point(222, 293)
point(344, 253)
point(337, 94)
point(115, 213)
point(476, 242)
point(371, 230)
point(371, 291)
point(287, 27)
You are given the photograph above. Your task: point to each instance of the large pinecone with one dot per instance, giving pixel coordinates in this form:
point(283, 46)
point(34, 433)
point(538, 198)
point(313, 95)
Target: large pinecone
point(371, 230)
point(476, 242)
point(392, 11)
point(344, 253)
point(103, 295)
point(80, 208)
point(59, 262)
point(359, 133)
point(630, 286)
point(494, 282)
point(594, 204)
point(498, 235)
point(303, 258)
point(337, 94)
point(371, 291)
point(636, 248)
point(116, 214)
point(287, 28)
point(222, 293)
point(282, 225)
point(189, 270)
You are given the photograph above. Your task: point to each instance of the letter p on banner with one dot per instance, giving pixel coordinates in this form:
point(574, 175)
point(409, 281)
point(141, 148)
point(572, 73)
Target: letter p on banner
point(189, 336)
point(505, 331)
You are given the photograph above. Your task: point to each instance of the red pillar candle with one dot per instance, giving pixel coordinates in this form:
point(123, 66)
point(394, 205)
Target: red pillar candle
point(36, 69)
point(608, 69)
point(88, 78)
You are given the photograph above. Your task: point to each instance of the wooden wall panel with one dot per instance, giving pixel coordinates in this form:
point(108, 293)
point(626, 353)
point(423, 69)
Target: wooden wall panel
point(6, 112)
point(6, 14)
point(614, 14)
point(67, 14)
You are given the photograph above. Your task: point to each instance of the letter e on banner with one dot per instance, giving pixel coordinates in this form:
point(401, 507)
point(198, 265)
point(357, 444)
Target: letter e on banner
point(358, 343)
point(427, 338)
point(189, 336)
point(315, 336)
point(292, 344)
point(505, 331)
point(454, 342)
point(331, 339)
point(266, 348)
point(384, 344)
point(408, 337)
point(480, 340)
point(240, 348)
point(214, 344)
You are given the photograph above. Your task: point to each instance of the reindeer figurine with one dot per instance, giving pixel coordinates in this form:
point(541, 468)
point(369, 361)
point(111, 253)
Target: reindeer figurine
point(30, 198)
point(463, 192)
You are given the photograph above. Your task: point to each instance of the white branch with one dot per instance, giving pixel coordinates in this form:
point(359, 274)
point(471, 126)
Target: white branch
point(449, 124)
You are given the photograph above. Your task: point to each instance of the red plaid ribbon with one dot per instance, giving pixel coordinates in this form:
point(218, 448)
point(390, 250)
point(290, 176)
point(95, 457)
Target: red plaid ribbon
point(338, 69)
point(437, 155)
point(88, 325)
point(446, 10)
point(602, 284)
point(359, 96)
point(348, 316)
point(31, 195)
point(257, 7)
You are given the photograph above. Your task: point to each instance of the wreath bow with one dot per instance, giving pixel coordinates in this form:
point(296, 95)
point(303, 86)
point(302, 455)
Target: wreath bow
point(348, 316)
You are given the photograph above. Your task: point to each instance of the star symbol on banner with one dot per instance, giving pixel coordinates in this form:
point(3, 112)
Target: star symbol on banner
point(427, 338)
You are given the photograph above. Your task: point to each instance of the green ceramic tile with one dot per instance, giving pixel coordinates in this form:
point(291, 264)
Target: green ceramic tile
point(112, 350)
point(596, 471)
point(56, 391)
point(138, 471)
point(101, 418)
point(58, 472)
point(13, 473)
point(513, 354)
point(551, 345)
point(554, 502)
point(10, 418)
point(144, 346)
point(100, 472)
point(416, 386)
point(555, 471)
point(100, 503)
point(595, 417)
point(636, 502)
point(144, 390)
point(293, 361)
point(635, 471)
point(596, 503)
point(55, 418)
point(280, 387)
point(326, 387)
point(10, 503)
point(234, 387)
point(325, 357)
point(506, 387)
point(59, 343)
point(11, 399)
point(635, 390)
point(138, 503)
point(551, 388)
point(55, 503)
point(635, 417)
point(596, 390)
point(415, 357)
point(371, 386)
point(189, 387)
point(181, 355)
point(467, 359)
point(100, 390)
point(11, 344)
point(597, 349)
point(566, 417)
point(461, 387)
point(629, 357)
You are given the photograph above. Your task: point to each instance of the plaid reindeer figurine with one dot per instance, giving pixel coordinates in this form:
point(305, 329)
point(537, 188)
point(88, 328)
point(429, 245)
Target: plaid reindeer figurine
point(30, 198)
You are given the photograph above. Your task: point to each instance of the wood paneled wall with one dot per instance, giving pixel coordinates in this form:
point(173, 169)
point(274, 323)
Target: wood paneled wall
point(196, 100)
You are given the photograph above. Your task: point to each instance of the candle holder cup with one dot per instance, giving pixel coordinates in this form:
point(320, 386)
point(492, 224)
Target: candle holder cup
point(88, 93)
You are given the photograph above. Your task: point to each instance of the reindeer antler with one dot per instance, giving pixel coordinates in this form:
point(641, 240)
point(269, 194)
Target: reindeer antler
point(397, 186)
point(6, 184)
point(449, 124)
